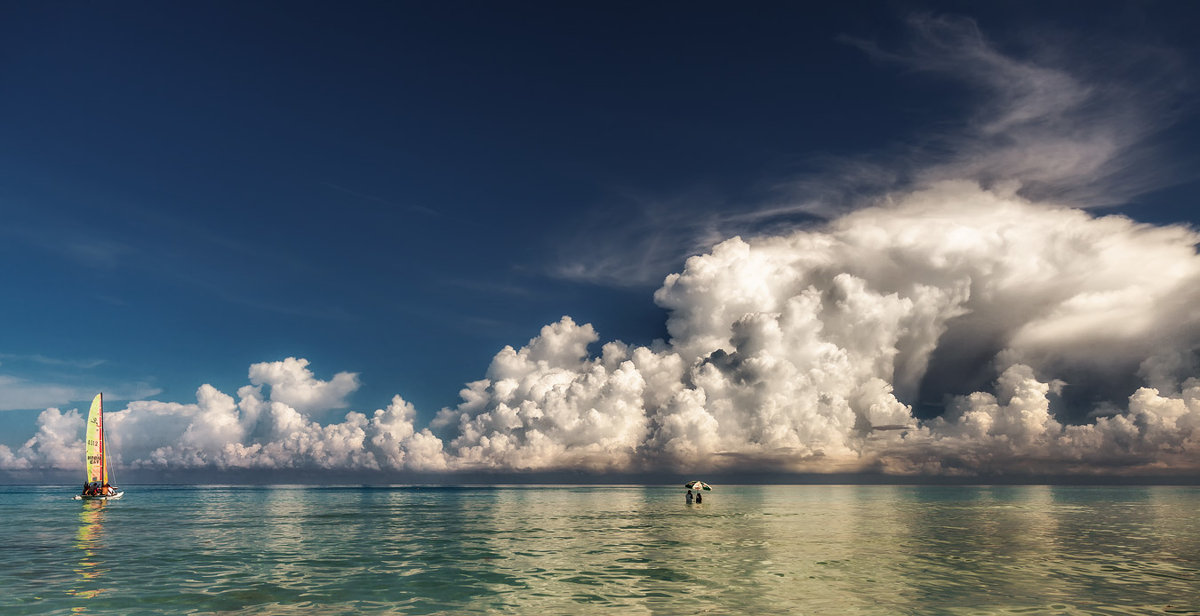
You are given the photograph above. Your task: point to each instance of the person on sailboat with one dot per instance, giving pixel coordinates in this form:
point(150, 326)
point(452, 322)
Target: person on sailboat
point(86, 486)
point(106, 490)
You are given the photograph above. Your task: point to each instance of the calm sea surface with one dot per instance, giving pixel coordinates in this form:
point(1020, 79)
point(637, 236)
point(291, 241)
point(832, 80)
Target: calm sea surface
point(619, 550)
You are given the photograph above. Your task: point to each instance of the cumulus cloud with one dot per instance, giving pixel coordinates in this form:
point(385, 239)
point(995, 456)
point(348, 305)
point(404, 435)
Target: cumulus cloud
point(1013, 431)
point(254, 431)
point(292, 383)
point(58, 443)
point(549, 405)
point(262, 432)
point(787, 352)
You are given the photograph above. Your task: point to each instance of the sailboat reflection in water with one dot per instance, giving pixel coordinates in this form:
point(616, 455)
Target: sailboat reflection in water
point(90, 541)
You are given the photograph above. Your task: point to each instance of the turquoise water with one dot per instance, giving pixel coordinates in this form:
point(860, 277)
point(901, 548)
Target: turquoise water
point(619, 550)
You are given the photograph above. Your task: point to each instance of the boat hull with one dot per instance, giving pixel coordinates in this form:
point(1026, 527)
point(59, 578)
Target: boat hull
point(116, 496)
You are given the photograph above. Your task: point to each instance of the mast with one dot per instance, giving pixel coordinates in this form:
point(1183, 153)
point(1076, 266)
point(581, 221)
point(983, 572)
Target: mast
point(103, 444)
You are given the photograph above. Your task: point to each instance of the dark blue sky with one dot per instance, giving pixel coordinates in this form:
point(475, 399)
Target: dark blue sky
point(400, 189)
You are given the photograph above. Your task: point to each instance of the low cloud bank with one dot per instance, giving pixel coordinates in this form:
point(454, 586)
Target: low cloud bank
point(795, 353)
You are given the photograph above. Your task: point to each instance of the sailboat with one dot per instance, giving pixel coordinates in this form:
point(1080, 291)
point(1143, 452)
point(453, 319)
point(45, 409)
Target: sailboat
point(95, 463)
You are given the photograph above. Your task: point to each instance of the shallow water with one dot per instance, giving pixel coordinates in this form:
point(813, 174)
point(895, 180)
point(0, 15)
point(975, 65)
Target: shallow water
point(626, 550)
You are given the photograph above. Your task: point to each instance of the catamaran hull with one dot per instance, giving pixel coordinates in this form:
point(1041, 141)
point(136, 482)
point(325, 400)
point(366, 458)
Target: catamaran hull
point(116, 496)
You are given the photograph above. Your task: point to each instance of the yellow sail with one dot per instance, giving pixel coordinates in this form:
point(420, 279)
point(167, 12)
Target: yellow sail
point(97, 469)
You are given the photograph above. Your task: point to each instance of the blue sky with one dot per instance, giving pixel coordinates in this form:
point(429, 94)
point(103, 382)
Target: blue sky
point(386, 187)
point(399, 190)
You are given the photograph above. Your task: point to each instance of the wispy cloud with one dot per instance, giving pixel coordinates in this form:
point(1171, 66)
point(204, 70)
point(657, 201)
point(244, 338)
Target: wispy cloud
point(43, 360)
point(1065, 119)
point(419, 209)
point(641, 238)
point(17, 393)
point(192, 257)
point(1054, 118)
point(74, 245)
point(491, 287)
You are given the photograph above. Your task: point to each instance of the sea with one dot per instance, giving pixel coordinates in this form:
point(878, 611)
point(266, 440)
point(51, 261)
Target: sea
point(543, 550)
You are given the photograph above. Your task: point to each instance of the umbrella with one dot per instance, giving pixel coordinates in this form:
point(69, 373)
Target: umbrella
point(697, 485)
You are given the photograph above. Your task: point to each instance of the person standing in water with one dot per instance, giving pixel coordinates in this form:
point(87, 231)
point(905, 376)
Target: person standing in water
point(698, 497)
point(689, 497)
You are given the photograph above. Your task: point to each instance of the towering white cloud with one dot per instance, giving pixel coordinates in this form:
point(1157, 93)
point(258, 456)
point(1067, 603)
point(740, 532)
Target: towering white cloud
point(787, 352)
